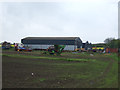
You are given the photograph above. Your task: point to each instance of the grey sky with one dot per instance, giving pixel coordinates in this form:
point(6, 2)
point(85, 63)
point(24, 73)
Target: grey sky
point(91, 20)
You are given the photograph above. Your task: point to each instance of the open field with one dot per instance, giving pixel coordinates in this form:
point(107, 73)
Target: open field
point(70, 70)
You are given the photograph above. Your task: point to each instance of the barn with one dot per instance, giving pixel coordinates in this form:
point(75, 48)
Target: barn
point(71, 43)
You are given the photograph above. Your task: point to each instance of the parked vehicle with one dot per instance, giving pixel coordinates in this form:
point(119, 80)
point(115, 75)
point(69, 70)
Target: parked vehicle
point(21, 47)
point(56, 49)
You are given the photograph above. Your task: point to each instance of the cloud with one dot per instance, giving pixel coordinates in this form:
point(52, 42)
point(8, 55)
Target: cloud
point(92, 21)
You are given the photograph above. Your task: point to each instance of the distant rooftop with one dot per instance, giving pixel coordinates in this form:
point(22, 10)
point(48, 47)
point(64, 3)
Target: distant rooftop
point(50, 38)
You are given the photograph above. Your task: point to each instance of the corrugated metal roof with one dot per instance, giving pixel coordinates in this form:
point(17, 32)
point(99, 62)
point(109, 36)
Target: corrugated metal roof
point(50, 38)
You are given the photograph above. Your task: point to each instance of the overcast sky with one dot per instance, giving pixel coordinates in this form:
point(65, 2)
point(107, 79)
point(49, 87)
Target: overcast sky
point(91, 20)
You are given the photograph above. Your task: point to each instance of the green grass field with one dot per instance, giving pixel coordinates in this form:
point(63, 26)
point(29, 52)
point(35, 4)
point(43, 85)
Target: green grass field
point(70, 70)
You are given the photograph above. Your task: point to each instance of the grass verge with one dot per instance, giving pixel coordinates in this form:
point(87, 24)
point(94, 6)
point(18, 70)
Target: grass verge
point(50, 58)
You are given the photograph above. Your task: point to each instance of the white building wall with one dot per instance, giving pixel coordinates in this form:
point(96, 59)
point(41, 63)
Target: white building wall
point(38, 46)
point(67, 47)
point(70, 47)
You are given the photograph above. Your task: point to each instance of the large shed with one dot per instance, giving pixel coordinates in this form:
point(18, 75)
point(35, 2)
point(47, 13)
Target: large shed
point(44, 42)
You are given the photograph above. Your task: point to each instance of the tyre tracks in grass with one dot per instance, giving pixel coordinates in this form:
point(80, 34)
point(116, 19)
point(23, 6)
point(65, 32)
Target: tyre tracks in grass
point(94, 83)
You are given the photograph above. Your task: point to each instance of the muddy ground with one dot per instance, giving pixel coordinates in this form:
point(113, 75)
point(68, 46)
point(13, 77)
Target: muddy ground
point(17, 72)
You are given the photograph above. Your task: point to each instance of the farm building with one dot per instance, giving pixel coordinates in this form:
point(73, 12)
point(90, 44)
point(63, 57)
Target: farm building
point(44, 42)
point(87, 45)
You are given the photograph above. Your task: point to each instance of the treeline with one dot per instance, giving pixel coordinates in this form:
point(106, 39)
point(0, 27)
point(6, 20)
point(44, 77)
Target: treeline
point(112, 43)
